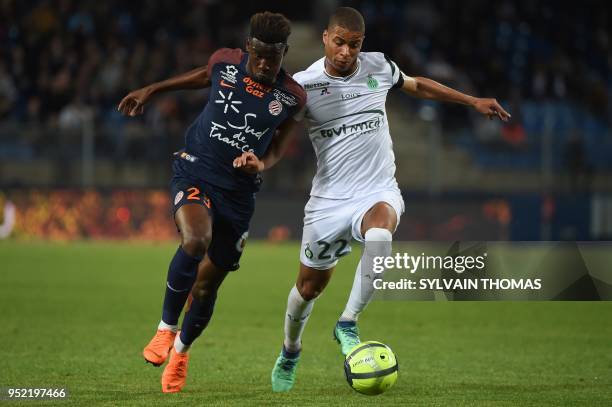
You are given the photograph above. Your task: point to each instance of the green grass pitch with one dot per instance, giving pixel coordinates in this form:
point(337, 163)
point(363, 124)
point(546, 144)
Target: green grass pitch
point(77, 315)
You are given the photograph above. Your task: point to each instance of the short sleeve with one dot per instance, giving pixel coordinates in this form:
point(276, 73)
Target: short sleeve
point(298, 102)
point(223, 55)
point(397, 78)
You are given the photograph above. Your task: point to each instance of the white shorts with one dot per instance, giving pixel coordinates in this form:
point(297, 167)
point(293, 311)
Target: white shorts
point(329, 225)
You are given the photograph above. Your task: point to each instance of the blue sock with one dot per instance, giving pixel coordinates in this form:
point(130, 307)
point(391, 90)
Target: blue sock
point(197, 318)
point(181, 276)
point(290, 355)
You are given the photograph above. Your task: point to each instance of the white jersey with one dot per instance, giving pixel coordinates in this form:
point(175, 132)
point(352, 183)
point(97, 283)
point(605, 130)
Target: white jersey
point(348, 127)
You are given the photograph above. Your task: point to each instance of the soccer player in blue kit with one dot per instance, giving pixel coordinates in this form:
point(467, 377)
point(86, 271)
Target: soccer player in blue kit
point(253, 110)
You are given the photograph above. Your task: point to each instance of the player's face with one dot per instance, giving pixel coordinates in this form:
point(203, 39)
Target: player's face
point(342, 48)
point(265, 60)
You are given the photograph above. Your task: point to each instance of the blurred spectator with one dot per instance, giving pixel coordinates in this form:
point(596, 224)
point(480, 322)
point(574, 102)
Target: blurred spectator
point(72, 117)
point(57, 56)
point(578, 170)
point(8, 92)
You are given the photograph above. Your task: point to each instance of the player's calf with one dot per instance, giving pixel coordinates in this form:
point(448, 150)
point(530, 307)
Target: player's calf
point(377, 243)
point(181, 276)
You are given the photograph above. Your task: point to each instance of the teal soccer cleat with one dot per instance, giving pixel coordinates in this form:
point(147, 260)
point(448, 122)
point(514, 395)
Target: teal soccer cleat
point(347, 335)
point(283, 374)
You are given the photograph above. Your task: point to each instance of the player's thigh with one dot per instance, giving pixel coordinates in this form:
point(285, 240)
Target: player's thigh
point(194, 221)
point(380, 210)
point(325, 240)
point(191, 207)
point(381, 215)
point(311, 282)
point(228, 241)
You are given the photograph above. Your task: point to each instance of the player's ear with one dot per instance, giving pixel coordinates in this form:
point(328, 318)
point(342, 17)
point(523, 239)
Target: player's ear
point(248, 44)
point(286, 49)
point(325, 34)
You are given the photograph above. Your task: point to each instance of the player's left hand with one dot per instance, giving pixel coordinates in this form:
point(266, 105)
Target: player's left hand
point(491, 108)
point(248, 162)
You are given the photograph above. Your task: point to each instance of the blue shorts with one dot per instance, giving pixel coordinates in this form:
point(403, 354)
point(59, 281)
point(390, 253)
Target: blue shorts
point(230, 211)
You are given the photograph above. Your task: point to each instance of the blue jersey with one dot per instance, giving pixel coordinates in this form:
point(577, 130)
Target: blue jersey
point(241, 115)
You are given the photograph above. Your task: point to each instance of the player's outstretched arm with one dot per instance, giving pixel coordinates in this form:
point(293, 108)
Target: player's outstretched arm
point(249, 162)
point(426, 88)
point(133, 103)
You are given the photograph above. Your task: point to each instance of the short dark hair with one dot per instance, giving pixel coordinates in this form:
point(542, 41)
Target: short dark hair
point(349, 18)
point(270, 27)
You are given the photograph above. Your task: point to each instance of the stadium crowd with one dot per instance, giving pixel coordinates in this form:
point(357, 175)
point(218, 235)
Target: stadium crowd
point(64, 61)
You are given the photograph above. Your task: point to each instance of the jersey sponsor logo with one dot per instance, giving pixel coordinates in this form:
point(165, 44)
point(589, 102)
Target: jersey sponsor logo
point(177, 198)
point(315, 85)
point(225, 84)
point(284, 98)
point(349, 96)
point(255, 88)
point(362, 127)
point(324, 91)
point(229, 75)
point(275, 107)
point(372, 82)
point(189, 157)
point(365, 126)
point(246, 128)
point(227, 101)
point(238, 132)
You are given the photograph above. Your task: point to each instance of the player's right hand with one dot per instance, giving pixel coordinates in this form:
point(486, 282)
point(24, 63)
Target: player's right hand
point(133, 103)
point(248, 162)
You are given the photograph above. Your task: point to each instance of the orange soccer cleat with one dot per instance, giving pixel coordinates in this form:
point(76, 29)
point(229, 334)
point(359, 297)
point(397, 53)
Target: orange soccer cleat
point(156, 352)
point(175, 374)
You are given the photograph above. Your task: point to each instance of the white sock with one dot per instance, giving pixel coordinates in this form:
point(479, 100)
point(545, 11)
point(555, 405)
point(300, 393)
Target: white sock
point(298, 311)
point(356, 303)
point(165, 327)
point(179, 346)
point(377, 243)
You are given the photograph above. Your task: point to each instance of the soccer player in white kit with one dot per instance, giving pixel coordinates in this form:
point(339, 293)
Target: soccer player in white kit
point(354, 192)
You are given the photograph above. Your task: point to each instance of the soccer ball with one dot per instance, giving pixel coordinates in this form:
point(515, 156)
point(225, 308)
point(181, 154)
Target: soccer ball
point(371, 368)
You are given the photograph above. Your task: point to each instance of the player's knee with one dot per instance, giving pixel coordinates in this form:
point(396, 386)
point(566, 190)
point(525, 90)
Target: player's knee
point(309, 291)
point(378, 241)
point(378, 235)
point(196, 244)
